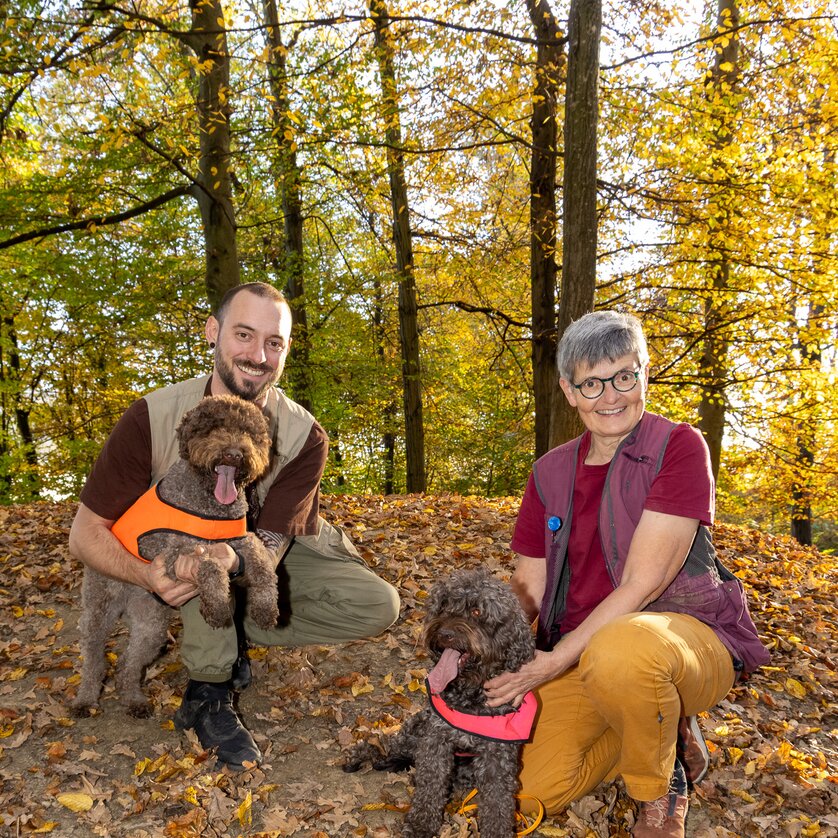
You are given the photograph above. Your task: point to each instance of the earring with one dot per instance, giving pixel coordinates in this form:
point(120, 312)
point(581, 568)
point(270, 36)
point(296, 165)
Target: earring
point(212, 344)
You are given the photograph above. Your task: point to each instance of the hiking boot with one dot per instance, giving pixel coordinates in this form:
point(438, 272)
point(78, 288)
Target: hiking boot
point(208, 710)
point(242, 674)
point(666, 816)
point(691, 749)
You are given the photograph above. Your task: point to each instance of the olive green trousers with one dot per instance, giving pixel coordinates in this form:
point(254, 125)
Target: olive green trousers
point(324, 599)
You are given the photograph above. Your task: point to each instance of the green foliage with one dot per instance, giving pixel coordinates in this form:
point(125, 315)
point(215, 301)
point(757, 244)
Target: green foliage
point(97, 111)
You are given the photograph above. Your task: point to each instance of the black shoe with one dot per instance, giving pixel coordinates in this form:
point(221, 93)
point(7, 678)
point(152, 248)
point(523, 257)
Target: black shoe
point(208, 710)
point(242, 674)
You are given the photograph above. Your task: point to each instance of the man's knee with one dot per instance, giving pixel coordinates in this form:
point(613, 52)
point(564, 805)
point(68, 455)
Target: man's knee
point(379, 608)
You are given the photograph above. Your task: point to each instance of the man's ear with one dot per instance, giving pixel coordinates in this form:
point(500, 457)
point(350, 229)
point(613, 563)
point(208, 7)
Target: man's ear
point(211, 329)
point(569, 390)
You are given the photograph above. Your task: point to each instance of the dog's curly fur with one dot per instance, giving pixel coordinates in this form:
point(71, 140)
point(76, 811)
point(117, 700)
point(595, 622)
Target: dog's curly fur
point(481, 618)
point(219, 431)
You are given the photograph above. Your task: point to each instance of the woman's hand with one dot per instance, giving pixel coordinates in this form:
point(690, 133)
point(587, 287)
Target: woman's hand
point(511, 687)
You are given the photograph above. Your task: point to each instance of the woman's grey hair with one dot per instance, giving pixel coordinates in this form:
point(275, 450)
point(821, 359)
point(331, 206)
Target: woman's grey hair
point(597, 336)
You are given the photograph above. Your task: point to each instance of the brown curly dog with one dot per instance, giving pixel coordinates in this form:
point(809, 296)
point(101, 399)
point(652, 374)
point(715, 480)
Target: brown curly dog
point(224, 445)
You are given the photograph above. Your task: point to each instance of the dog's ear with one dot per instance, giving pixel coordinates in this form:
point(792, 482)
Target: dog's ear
point(519, 638)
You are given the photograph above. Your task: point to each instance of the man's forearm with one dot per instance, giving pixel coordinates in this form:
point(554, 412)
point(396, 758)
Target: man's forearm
point(277, 543)
point(94, 545)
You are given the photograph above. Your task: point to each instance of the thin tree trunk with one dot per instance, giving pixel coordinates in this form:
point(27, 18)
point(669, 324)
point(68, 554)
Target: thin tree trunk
point(712, 408)
point(28, 483)
point(543, 225)
point(403, 242)
point(288, 182)
point(208, 40)
point(388, 438)
point(579, 196)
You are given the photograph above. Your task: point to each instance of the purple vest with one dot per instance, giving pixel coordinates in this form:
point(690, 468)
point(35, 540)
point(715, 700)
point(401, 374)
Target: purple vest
point(703, 588)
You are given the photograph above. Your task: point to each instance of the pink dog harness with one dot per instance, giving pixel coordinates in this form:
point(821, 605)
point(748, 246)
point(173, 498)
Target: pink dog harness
point(514, 726)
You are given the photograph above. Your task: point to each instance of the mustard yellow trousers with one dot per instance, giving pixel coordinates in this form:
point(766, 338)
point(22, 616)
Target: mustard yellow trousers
point(616, 712)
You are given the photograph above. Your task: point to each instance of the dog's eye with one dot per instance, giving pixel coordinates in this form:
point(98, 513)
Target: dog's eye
point(475, 612)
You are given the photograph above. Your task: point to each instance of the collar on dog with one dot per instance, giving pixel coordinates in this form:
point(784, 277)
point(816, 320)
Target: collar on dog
point(150, 513)
point(514, 726)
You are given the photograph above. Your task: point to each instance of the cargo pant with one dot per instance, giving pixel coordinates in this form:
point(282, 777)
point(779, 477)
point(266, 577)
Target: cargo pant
point(331, 596)
point(617, 711)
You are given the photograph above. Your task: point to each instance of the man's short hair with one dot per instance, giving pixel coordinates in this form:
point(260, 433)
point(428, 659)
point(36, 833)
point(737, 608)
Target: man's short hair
point(260, 289)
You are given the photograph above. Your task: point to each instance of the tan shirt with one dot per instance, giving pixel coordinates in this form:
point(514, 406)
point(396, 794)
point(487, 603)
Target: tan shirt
point(289, 505)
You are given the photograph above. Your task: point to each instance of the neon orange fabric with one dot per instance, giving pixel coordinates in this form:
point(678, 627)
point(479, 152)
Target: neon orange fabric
point(150, 513)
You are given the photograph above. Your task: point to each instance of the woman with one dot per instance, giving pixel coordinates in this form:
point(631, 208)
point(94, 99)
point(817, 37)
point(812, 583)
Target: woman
point(639, 626)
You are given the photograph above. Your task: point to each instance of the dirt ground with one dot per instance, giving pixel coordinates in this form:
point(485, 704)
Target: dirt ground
point(113, 775)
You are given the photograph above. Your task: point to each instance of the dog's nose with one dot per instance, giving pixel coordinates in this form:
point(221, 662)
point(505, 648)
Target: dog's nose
point(232, 457)
point(446, 637)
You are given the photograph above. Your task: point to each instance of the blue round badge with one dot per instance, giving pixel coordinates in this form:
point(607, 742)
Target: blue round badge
point(554, 523)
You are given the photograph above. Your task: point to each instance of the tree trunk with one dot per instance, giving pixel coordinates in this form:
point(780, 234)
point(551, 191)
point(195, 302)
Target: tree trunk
point(579, 199)
point(809, 346)
point(543, 268)
point(287, 179)
point(28, 483)
point(390, 409)
point(712, 408)
point(403, 243)
point(208, 40)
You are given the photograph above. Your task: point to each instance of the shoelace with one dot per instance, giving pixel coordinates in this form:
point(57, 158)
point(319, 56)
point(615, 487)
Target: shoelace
point(655, 811)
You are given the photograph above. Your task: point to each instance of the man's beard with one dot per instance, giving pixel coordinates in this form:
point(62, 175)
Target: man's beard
point(248, 390)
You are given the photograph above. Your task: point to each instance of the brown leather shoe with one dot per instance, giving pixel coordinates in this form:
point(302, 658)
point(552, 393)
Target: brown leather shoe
point(666, 816)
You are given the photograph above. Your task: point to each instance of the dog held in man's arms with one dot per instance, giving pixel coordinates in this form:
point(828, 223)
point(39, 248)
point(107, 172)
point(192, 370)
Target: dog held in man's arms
point(224, 445)
point(474, 630)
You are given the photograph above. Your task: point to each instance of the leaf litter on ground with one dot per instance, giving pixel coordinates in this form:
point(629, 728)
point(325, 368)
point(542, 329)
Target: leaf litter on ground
point(773, 740)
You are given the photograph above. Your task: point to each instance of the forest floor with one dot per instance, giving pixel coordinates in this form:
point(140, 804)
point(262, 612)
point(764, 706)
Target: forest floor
point(773, 740)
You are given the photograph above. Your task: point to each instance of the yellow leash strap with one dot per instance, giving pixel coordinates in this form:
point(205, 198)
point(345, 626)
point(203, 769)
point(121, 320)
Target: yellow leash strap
point(527, 827)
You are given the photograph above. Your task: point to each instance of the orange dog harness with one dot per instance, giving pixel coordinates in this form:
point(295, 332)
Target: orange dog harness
point(150, 513)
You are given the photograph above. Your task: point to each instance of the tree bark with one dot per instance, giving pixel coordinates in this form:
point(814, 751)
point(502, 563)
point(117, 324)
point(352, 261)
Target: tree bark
point(579, 194)
point(288, 181)
point(713, 372)
point(26, 486)
point(403, 243)
point(208, 40)
point(543, 224)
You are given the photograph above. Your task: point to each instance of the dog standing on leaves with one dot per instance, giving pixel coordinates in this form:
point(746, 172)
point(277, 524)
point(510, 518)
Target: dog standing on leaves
point(224, 445)
point(474, 630)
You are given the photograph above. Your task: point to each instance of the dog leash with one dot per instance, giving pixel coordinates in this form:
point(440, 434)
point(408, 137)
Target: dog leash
point(528, 825)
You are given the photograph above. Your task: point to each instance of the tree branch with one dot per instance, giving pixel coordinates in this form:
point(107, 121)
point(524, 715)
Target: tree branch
point(97, 221)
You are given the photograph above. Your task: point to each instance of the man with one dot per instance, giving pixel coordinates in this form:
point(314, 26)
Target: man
point(333, 596)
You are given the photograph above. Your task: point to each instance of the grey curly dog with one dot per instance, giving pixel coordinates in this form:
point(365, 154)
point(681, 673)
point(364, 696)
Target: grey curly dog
point(223, 445)
point(474, 630)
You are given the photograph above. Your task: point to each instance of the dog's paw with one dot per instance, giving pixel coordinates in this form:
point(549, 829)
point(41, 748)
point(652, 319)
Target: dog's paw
point(216, 615)
point(264, 614)
point(139, 710)
point(84, 709)
point(392, 763)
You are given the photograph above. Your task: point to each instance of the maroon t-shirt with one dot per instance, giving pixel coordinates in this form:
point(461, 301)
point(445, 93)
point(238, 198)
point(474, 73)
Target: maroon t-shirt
point(683, 486)
point(122, 473)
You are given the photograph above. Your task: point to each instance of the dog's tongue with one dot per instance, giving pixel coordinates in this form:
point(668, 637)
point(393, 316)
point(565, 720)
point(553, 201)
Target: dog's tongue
point(225, 485)
point(445, 671)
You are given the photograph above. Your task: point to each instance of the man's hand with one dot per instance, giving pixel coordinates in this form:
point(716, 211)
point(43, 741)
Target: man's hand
point(184, 587)
point(511, 687)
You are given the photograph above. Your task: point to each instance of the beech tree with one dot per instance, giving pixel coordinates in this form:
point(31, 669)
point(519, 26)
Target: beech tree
point(579, 195)
point(403, 246)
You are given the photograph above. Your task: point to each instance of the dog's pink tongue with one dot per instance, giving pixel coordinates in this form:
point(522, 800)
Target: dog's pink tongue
point(445, 671)
point(225, 485)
